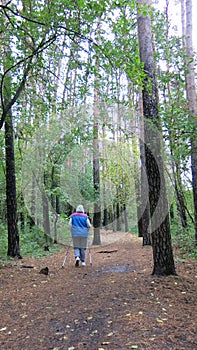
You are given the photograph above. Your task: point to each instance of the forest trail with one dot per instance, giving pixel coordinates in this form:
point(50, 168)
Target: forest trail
point(114, 304)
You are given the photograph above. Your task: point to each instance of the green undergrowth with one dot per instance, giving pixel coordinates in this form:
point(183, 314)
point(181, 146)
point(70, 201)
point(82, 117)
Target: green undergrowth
point(33, 243)
point(184, 241)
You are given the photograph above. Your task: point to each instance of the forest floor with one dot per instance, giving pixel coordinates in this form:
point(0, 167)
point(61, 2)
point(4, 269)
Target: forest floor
point(114, 304)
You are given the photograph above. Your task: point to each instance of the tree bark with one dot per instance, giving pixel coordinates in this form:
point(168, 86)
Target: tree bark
point(118, 211)
point(143, 212)
point(12, 218)
point(144, 224)
point(191, 95)
point(96, 163)
point(125, 218)
point(96, 180)
point(97, 210)
point(11, 200)
point(96, 176)
point(45, 208)
point(160, 227)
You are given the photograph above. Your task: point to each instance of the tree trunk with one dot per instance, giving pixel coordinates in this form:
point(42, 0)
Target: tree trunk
point(45, 207)
point(96, 162)
point(12, 218)
point(191, 95)
point(144, 215)
point(180, 200)
point(118, 211)
point(160, 227)
point(105, 211)
point(143, 212)
point(96, 180)
point(125, 218)
point(96, 175)
point(97, 211)
point(11, 199)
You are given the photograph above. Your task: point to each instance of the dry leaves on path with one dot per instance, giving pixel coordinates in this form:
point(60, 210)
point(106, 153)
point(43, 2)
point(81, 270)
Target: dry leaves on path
point(113, 304)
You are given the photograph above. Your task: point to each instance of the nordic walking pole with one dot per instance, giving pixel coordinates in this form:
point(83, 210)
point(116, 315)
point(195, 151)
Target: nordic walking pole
point(90, 256)
point(65, 257)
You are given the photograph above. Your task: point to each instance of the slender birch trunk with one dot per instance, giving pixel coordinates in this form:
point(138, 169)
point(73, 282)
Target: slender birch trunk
point(192, 103)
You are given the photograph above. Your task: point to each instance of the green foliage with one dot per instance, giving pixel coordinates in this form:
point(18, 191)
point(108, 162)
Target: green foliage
point(32, 244)
point(85, 183)
point(61, 42)
point(184, 240)
point(3, 241)
point(193, 252)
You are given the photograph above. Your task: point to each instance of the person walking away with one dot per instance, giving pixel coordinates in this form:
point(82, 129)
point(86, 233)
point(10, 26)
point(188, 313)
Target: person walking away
point(79, 224)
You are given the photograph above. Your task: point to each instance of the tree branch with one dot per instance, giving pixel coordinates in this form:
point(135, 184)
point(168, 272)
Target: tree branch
point(18, 14)
point(42, 46)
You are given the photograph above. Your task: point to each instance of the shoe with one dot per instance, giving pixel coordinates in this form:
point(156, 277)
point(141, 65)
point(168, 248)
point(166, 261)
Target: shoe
point(77, 260)
point(83, 263)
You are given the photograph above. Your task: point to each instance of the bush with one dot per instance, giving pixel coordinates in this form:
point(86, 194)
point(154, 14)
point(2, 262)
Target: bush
point(184, 241)
point(32, 243)
point(3, 240)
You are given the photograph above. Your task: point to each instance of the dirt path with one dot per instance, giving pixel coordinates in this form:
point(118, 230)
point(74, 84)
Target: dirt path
point(113, 304)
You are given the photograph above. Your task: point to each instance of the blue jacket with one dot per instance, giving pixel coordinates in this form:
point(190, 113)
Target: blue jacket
point(79, 223)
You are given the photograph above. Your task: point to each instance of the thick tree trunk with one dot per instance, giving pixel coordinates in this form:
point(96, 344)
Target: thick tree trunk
point(162, 251)
point(144, 224)
point(143, 212)
point(12, 219)
point(160, 227)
